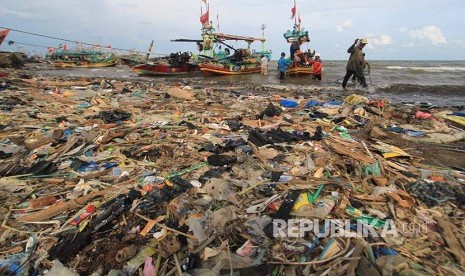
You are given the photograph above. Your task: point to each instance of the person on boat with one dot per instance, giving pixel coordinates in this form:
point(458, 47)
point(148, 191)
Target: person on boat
point(283, 63)
point(355, 63)
point(317, 66)
point(366, 68)
point(264, 65)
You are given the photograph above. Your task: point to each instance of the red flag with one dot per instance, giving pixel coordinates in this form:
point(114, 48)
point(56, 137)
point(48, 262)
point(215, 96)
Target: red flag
point(3, 34)
point(64, 47)
point(299, 19)
point(293, 11)
point(204, 18)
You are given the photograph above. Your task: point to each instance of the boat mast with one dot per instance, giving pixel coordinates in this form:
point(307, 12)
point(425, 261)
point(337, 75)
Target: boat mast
point(149, 51)
point(263, 37)
point(295, 12)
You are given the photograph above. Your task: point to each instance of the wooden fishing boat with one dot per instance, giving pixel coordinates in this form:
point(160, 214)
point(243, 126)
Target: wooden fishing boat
point(83, 59)
point(303, 60)
point(160, 69)
point(211, 69)
point(86, 64)
point(212, 60)
point(130, 62)
point(174, 64)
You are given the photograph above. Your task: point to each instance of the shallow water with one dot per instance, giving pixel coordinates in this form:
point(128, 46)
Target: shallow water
point(440, 83)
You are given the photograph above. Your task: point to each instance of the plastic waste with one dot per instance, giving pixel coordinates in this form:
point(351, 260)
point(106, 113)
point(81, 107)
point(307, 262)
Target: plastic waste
point(366, 219)
point(247, 249)
point(221, 160)
point(58, 269)
point(312, 103)
point(132, 265)
point(324, 206)
point(289, 103)
point(422, 115)
point(199, 228)
point(90, 167)
point(149, 269)
point(398, 265)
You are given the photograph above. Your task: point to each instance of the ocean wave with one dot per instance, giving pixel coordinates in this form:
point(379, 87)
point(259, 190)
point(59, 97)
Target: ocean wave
point(428, 69)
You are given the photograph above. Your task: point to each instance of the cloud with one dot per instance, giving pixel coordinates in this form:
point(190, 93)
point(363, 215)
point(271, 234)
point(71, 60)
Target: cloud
point(346, 25)
point(17, 14)
point(375, 41)
point(432, 33)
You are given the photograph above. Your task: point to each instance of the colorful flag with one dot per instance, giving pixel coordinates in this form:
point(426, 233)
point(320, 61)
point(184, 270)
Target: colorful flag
point(293, 11)
point(299, 19)
point(3, 34)
point(204, 18)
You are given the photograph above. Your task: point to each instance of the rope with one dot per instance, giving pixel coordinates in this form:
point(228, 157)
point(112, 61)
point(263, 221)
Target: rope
point(67, 40)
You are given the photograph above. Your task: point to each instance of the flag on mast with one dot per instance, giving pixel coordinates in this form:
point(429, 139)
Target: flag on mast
point(204, 18)
point(293, 10)
point(3, 34)
point(299, 19)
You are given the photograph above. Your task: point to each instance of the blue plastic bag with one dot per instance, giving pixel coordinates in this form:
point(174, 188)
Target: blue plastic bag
point(289, 103)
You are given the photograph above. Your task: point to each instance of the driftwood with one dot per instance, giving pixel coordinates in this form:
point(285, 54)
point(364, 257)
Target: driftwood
point(61, 207)
point(451, 240)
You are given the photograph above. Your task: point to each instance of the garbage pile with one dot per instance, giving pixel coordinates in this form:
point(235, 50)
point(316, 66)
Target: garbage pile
point(104, 177)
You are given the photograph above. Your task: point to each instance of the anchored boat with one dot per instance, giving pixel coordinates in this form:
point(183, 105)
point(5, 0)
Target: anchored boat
point(303, 61)
point(83, 59)
point(174, 64)
point(213, 60)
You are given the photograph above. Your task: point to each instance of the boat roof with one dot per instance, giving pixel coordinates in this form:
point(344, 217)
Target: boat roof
point(238, 37)
point(296, 35)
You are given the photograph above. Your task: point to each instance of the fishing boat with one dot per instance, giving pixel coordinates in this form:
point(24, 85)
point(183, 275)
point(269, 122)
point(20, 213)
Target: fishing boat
point(217, 57)
point(83, 59)
point(174, 64)
point(303, 60)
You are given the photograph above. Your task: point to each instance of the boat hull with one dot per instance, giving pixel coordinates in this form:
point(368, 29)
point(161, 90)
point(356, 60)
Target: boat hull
point(130, 62)
point(162, 69)
point(85, 64)
point(300, 71)
point(215, 70)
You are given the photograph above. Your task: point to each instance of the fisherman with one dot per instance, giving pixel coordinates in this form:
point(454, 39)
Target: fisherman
point(282, 65)
point(366, 68)
point(355, 63)
point(317, 66)
point(264, 65)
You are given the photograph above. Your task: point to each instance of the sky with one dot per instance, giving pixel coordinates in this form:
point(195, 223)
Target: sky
point(395, 29)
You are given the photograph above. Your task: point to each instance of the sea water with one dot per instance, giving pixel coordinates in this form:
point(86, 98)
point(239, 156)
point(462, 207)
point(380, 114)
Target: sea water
point(440, 83)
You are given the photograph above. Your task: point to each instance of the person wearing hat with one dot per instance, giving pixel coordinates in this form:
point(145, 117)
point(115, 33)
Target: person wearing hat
point(356, 62)
point(282, 65)
point(317, 66)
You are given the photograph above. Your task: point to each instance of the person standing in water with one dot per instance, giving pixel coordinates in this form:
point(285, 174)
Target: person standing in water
point(282, 65)
point(264, 65)
point(366, 68)
point(317, 66)
point(356, 62)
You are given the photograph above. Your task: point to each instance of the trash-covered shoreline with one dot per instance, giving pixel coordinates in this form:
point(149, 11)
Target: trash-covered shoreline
point(117, 177)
